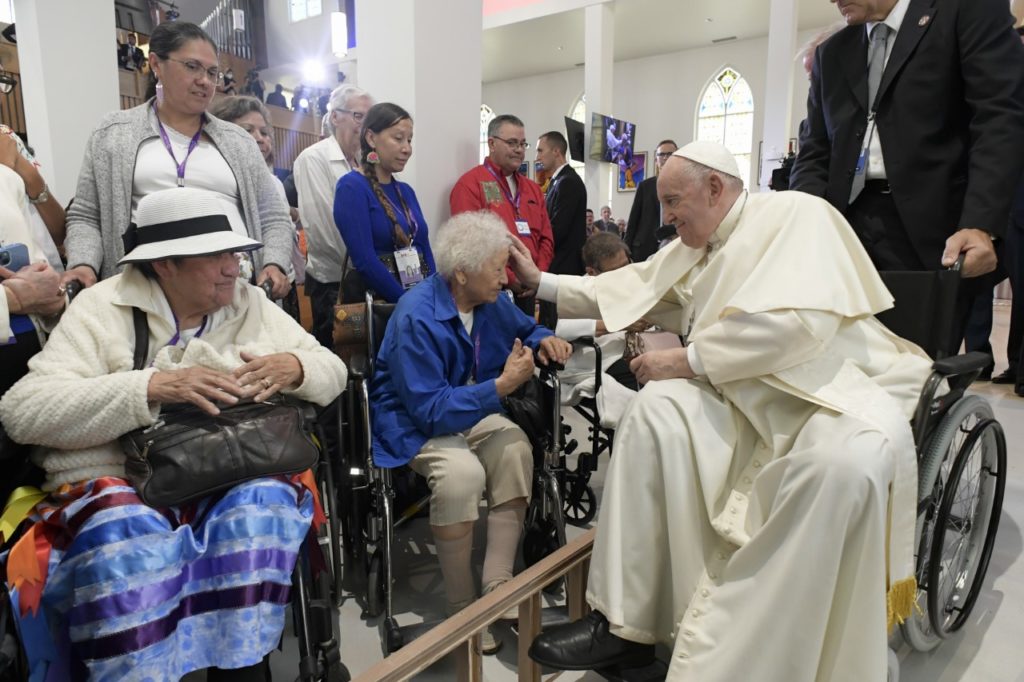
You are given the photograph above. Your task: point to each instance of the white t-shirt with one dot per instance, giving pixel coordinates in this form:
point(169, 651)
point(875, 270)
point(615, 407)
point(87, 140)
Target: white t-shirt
point(206, 169)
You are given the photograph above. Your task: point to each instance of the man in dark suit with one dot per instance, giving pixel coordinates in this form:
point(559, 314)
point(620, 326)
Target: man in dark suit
point(645, 216)
point(566, 201)
point(915, 131)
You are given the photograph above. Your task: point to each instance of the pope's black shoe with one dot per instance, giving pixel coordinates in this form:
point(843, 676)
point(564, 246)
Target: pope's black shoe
point(587, 644)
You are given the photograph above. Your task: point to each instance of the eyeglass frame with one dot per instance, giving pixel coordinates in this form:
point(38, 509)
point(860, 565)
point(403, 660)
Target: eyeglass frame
point(514, 144)
point(663, 155)
point(357, 116)
point(213, 73)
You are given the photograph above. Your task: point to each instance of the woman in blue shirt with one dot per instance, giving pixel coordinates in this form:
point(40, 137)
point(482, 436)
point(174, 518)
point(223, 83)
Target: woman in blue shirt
point(379, 217)
point(442, 370)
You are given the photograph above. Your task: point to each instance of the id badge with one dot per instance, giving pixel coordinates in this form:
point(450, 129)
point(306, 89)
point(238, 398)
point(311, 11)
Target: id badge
point(862, 162)
point(523, 228)
point(407, 262)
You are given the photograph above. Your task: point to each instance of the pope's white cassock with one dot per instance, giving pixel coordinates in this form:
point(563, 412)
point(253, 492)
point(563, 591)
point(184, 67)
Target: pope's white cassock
point(761, 516)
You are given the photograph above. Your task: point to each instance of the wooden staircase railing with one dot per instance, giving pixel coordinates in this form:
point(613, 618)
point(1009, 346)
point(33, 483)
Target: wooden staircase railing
point(459, 634)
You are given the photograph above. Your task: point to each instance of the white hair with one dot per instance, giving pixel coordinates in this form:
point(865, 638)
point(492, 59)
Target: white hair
point(343, 94)
point(466, 240)
point(699, 173)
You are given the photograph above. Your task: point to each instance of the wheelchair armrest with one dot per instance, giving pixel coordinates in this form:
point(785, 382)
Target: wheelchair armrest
point(591, 342)
point(957, 365)
point(359, 366)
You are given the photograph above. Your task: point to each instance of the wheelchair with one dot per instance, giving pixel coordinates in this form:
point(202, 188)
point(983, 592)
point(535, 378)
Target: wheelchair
point(961, 461)
point(375, 501)
point(314, 596)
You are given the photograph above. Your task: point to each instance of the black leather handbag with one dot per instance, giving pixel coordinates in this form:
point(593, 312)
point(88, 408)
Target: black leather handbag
point(188, 454)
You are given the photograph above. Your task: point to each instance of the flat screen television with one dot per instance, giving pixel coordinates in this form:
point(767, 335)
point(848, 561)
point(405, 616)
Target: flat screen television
point(611, 139)
point(574, 135)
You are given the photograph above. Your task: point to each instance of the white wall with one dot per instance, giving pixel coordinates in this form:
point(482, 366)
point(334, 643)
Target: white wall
point(659, 94)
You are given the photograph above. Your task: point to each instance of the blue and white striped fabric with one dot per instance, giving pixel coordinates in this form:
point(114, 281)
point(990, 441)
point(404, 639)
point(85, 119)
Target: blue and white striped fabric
point(144, 594)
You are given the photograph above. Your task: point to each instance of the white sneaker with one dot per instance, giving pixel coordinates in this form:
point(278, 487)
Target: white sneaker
point(489, 644)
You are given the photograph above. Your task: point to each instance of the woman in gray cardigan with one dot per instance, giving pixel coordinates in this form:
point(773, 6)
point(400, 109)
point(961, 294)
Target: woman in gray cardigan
point(171, 141)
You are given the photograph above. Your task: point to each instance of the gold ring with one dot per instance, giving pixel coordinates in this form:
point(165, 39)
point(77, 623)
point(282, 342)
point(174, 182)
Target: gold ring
point(267, 383)
point(61, 290)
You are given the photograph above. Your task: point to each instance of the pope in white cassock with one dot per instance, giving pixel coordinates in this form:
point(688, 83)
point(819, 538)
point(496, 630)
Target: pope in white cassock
point(760, 513)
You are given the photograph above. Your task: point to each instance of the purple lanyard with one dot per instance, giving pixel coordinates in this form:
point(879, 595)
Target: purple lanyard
point(177, 332)
point(404, 209)
point(476, 355)
point(505, 190)
point(193, 143)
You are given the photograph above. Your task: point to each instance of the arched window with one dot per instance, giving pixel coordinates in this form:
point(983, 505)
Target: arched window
point(726, 115)
point(486, 116)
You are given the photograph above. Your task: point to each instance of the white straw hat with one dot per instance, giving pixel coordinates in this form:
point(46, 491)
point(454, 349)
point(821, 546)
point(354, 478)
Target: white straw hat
point(181, 222)
point(712, 155)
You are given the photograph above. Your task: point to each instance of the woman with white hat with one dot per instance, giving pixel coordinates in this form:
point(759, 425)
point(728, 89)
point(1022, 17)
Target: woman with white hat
point(123, 589)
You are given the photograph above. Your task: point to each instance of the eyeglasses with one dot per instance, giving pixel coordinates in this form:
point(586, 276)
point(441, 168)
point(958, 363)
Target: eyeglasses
point(196, 70)
point(357, 116)
point(663, 155)
point(514, 144)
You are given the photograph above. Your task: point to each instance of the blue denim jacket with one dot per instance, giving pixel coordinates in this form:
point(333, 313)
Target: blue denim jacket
point(420, 388)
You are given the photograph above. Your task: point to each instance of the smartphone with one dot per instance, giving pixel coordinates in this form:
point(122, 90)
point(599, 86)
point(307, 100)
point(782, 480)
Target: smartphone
point(14, 256)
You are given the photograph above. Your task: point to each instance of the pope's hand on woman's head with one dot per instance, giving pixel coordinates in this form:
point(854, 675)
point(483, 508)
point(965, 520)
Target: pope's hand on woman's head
point(522, 264)
point(200, 386)
point(264, 375)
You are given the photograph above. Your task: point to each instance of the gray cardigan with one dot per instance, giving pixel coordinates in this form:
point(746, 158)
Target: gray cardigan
point(102, 208)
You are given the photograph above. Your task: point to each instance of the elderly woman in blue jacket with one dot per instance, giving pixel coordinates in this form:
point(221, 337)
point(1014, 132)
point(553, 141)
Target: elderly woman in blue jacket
point(455, 346)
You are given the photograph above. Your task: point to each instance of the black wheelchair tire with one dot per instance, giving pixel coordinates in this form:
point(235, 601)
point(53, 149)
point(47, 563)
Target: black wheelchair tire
point(935, 464)
point(990, 528)
point(375, 585)
point(580, 503)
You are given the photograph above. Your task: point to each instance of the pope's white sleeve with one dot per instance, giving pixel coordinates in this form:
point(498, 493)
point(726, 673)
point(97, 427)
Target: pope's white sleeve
point(547, 290)
point(742, 346)
point(696, 366)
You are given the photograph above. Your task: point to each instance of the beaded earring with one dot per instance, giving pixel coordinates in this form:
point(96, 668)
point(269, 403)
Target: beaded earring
point(372, 157)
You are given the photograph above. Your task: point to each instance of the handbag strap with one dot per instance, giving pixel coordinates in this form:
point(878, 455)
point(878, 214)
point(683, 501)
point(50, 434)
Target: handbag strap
point(141, 337)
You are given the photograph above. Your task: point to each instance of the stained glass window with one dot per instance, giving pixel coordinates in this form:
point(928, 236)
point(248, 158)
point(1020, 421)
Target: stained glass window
point(486, 115)
point(726, 115)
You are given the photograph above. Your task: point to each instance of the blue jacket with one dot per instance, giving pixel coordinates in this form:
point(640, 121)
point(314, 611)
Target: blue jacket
point(420, 385)
point(368, 232)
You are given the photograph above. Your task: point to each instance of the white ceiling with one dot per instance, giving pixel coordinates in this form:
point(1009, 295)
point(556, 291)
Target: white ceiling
point(642, 28)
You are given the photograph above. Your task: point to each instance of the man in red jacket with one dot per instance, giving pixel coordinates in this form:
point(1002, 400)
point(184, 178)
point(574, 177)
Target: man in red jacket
point(497, 186)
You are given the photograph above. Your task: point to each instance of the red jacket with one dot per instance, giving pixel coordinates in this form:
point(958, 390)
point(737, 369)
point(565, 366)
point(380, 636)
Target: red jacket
point(479, 189)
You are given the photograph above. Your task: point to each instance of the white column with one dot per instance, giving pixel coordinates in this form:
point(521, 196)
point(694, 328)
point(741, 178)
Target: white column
point(67, 54)
point(427, 61)
point(598, 62)
point(778, 87)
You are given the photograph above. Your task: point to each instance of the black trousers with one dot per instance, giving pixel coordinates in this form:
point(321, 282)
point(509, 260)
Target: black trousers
point(14, 461)
point(322, 297)
point(877, 223)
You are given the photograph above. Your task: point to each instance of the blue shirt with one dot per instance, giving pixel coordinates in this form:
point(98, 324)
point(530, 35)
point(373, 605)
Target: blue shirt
point(368, 232)
point(420, 388)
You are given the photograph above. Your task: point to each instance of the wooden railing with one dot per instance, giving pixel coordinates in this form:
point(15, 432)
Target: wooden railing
point(460, 633)
point(12, 107)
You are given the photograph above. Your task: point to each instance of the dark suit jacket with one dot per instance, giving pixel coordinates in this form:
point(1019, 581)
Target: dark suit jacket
point(950, 116)
point(567, 209)
point(644, 220)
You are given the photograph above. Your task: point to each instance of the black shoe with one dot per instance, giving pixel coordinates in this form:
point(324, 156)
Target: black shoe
point(986, 373)
point(587, 644)
point(1007, 377)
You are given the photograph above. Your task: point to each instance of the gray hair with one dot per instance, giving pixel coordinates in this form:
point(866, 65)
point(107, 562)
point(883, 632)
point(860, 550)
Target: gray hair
point(466, 240)
point(343, 94)
point(232, 108)
point(495, 125)
point(699, 173)
point(602, 246)
point(326, 129)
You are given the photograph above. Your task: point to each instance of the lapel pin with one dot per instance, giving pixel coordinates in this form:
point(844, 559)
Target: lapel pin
point(923, 21)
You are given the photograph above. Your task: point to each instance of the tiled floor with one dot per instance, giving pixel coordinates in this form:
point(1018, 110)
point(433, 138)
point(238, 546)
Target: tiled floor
point(988, 649)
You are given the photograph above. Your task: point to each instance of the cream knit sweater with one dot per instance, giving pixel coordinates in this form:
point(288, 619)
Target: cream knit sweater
point(81, 392)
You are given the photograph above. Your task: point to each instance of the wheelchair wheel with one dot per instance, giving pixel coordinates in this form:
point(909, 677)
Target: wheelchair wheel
point(961, 482)
point(580, 502)
point(375, 585)
point(330, 533)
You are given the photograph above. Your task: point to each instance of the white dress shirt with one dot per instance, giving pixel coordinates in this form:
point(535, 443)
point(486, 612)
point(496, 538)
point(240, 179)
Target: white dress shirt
point(317, 170)
point(876, 164)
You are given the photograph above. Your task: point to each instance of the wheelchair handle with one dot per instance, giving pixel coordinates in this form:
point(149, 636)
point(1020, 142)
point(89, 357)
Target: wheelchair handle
point(268, 288)
point(73, 288)
point(959, 264)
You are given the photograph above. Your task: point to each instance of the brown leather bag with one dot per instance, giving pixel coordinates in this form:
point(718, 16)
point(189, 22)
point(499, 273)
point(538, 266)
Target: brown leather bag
point(349, 333)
